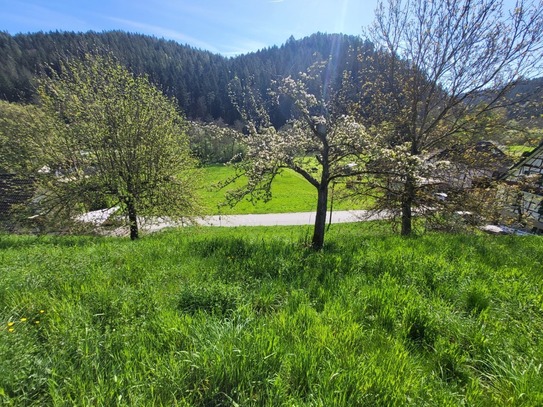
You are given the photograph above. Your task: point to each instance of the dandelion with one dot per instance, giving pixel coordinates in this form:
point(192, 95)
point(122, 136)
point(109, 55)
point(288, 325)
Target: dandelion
point(36, 322)
point(23, 319)
point(11, 329)
point(10, 324)
point(42, 311)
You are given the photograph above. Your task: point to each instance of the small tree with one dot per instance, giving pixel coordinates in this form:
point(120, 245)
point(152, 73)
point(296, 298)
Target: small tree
point(439, 66)
point(118, 141)
point(321, 142)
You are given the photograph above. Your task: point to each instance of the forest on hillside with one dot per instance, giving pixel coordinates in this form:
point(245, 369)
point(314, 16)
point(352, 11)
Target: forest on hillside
point(199, 79)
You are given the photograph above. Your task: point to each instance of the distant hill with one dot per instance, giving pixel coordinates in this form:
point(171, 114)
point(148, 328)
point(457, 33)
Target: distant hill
point(527, 97)
point(198, 79)
point(522, 103)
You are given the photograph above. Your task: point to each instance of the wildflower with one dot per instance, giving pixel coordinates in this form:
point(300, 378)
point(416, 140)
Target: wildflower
point(10, 324)
point(36, 322)
point(11, 329)
point(42, 311)
point(23, 319)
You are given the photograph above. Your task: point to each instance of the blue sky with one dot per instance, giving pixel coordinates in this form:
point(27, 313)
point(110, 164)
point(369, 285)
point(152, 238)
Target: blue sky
point(228, 27)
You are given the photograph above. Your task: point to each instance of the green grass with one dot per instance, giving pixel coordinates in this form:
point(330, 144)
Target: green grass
point(251, 317)
point(290, 193)
point(517, 150)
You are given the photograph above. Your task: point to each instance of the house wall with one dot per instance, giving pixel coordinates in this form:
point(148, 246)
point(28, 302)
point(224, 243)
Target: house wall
point(532, 202)
point(532, 210)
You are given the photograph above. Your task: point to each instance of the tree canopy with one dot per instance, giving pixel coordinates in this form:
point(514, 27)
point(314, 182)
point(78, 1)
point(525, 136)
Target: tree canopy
point(197, 78)
point(432, 62)
point(321, 142)
point(23, 128)
point(117, 141)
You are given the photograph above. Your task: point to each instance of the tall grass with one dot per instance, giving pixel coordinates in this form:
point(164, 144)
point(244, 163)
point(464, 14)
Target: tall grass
point(251, 316)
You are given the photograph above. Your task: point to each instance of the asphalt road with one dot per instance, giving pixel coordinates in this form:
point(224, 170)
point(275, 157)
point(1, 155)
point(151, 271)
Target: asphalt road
point(285, 219)
point(271, 219)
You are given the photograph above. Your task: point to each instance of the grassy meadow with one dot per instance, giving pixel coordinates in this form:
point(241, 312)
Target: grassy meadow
point(290, 193)
point(252, 317)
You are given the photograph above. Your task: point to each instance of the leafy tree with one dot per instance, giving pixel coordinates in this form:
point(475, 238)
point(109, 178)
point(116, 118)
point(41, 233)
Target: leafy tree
point(321, 142)
point(23, 129)
point(214, 142)
point(434, 62)
point(118, 141)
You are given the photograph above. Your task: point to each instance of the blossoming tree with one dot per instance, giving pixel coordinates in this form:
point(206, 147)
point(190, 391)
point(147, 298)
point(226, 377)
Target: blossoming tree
point(321, 142)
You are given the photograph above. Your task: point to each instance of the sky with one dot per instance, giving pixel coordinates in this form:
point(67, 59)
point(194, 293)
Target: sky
point(227, 27)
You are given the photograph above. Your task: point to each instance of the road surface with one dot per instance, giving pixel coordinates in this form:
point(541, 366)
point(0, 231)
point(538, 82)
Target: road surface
point(285, 219)
point(270, 219)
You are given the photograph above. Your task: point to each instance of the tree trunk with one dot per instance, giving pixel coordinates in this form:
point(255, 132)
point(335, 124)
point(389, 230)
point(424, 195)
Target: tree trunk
point(320, 218)
point(132, 220)
point(407, 207)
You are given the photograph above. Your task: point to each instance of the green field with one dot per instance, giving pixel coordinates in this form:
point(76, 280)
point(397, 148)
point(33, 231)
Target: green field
point(290, 193)
point(252, 317)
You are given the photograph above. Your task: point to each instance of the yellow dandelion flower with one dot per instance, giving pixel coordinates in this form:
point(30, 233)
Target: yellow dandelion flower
point(36, 322)
point(10, 324)
point(23, 319)
point(42, 311)
point(11, 329)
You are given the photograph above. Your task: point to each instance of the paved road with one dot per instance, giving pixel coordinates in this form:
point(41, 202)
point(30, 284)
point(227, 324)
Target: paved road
point(284, 219)
point(271, 219)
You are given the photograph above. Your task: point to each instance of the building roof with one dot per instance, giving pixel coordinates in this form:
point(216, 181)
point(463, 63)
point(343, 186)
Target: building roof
point(527, 159)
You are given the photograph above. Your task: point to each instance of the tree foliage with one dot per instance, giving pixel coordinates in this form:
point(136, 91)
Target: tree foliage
point(214, 143)
point(197, 78)
point(117, 141)
point(24, 129)
point(321, 142)
point(432, 62)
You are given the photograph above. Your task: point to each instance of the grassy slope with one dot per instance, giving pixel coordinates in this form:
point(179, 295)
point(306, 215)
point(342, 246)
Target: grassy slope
point(290, 193)
point(217, 316)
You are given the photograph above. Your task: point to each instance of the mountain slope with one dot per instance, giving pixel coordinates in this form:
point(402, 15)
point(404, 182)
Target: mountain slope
point(197, 79)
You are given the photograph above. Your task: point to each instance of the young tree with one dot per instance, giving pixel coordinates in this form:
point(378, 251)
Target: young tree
point(438, 67)
point(321, 143)
point(118, 141)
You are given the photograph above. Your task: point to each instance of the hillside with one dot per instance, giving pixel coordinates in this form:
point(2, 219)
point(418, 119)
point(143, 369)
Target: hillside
point(198, 79)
